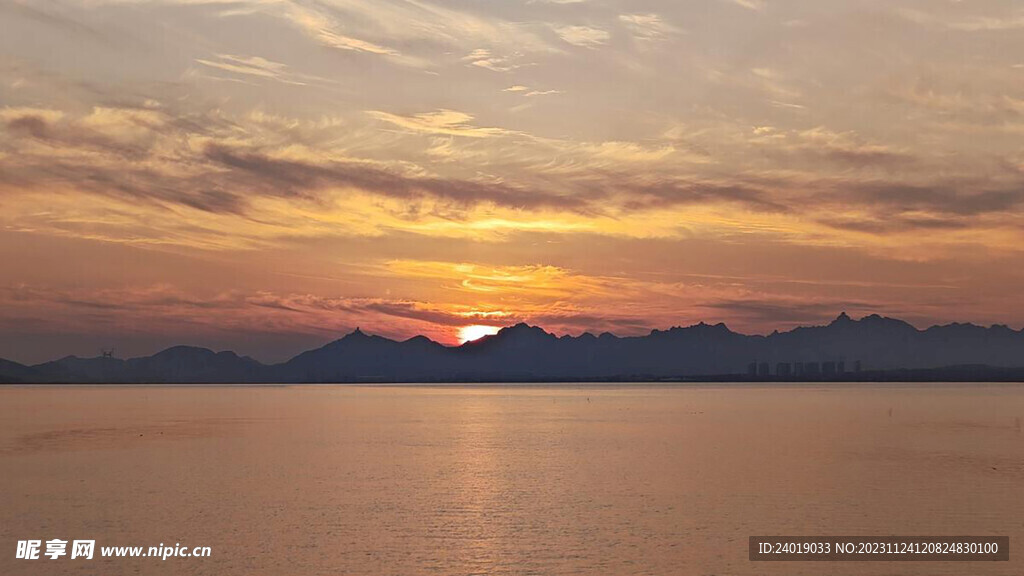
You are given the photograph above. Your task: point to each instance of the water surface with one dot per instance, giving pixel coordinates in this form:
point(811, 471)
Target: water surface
point(311, 480)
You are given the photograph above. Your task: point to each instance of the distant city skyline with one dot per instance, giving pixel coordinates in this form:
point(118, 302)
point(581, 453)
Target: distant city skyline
point(266, 175)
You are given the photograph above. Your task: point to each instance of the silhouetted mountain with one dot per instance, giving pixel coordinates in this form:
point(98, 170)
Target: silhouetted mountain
point(12, 372)
point(75, 369)
point(363, 358)
point(877, 345)
point(180, 364)
point(190, 364)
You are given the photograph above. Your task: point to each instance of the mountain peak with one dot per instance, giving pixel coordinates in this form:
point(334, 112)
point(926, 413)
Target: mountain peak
point(522, 328)
point(701, 329)
point(843, 318)
point(521, 331)
point(182, 350)
point(356, 334)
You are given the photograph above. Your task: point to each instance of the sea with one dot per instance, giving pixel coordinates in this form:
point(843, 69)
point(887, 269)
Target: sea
point(507, 480)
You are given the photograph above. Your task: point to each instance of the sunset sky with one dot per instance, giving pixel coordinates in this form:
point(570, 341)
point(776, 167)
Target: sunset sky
point(266, 175)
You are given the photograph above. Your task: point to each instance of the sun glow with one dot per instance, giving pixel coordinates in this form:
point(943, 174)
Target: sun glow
point(475, 332)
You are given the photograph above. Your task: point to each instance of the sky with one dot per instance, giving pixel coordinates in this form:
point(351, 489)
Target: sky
point(266, 175)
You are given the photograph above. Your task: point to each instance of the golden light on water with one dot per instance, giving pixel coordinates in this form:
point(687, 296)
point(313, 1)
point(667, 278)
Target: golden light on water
point(475, 332)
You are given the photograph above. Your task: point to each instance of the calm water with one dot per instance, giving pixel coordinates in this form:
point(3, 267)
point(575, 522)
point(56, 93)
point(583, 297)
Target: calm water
point(319, 480)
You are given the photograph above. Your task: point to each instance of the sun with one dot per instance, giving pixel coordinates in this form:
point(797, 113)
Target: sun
point(475, 332)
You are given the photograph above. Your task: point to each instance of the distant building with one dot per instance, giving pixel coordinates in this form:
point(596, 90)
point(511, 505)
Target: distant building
point(828, 368)
point(798, 369)
point(752, 369)
point(783, 370)
point(841, 367)
point(763, 370)
point(856, 365)
point(811, 369)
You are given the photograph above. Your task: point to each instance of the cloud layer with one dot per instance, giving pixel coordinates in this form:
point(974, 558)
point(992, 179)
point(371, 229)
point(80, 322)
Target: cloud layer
point(414, 166)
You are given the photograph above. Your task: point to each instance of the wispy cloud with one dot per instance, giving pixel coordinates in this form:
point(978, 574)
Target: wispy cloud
point(755, 5)
point(648, 27)
point(325, 30)
point(252, 66)
point(483, 58)
point(583, 36)
point(528, 92)
point(447, 122)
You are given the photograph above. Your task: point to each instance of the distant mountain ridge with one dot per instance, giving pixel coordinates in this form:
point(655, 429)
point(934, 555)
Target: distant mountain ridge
point(524, 353)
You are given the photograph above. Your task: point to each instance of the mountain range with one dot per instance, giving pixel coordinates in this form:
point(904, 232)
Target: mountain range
point(523, 353)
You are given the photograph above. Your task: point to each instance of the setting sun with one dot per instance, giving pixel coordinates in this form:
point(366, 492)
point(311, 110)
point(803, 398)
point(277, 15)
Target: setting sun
point(475, 332)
